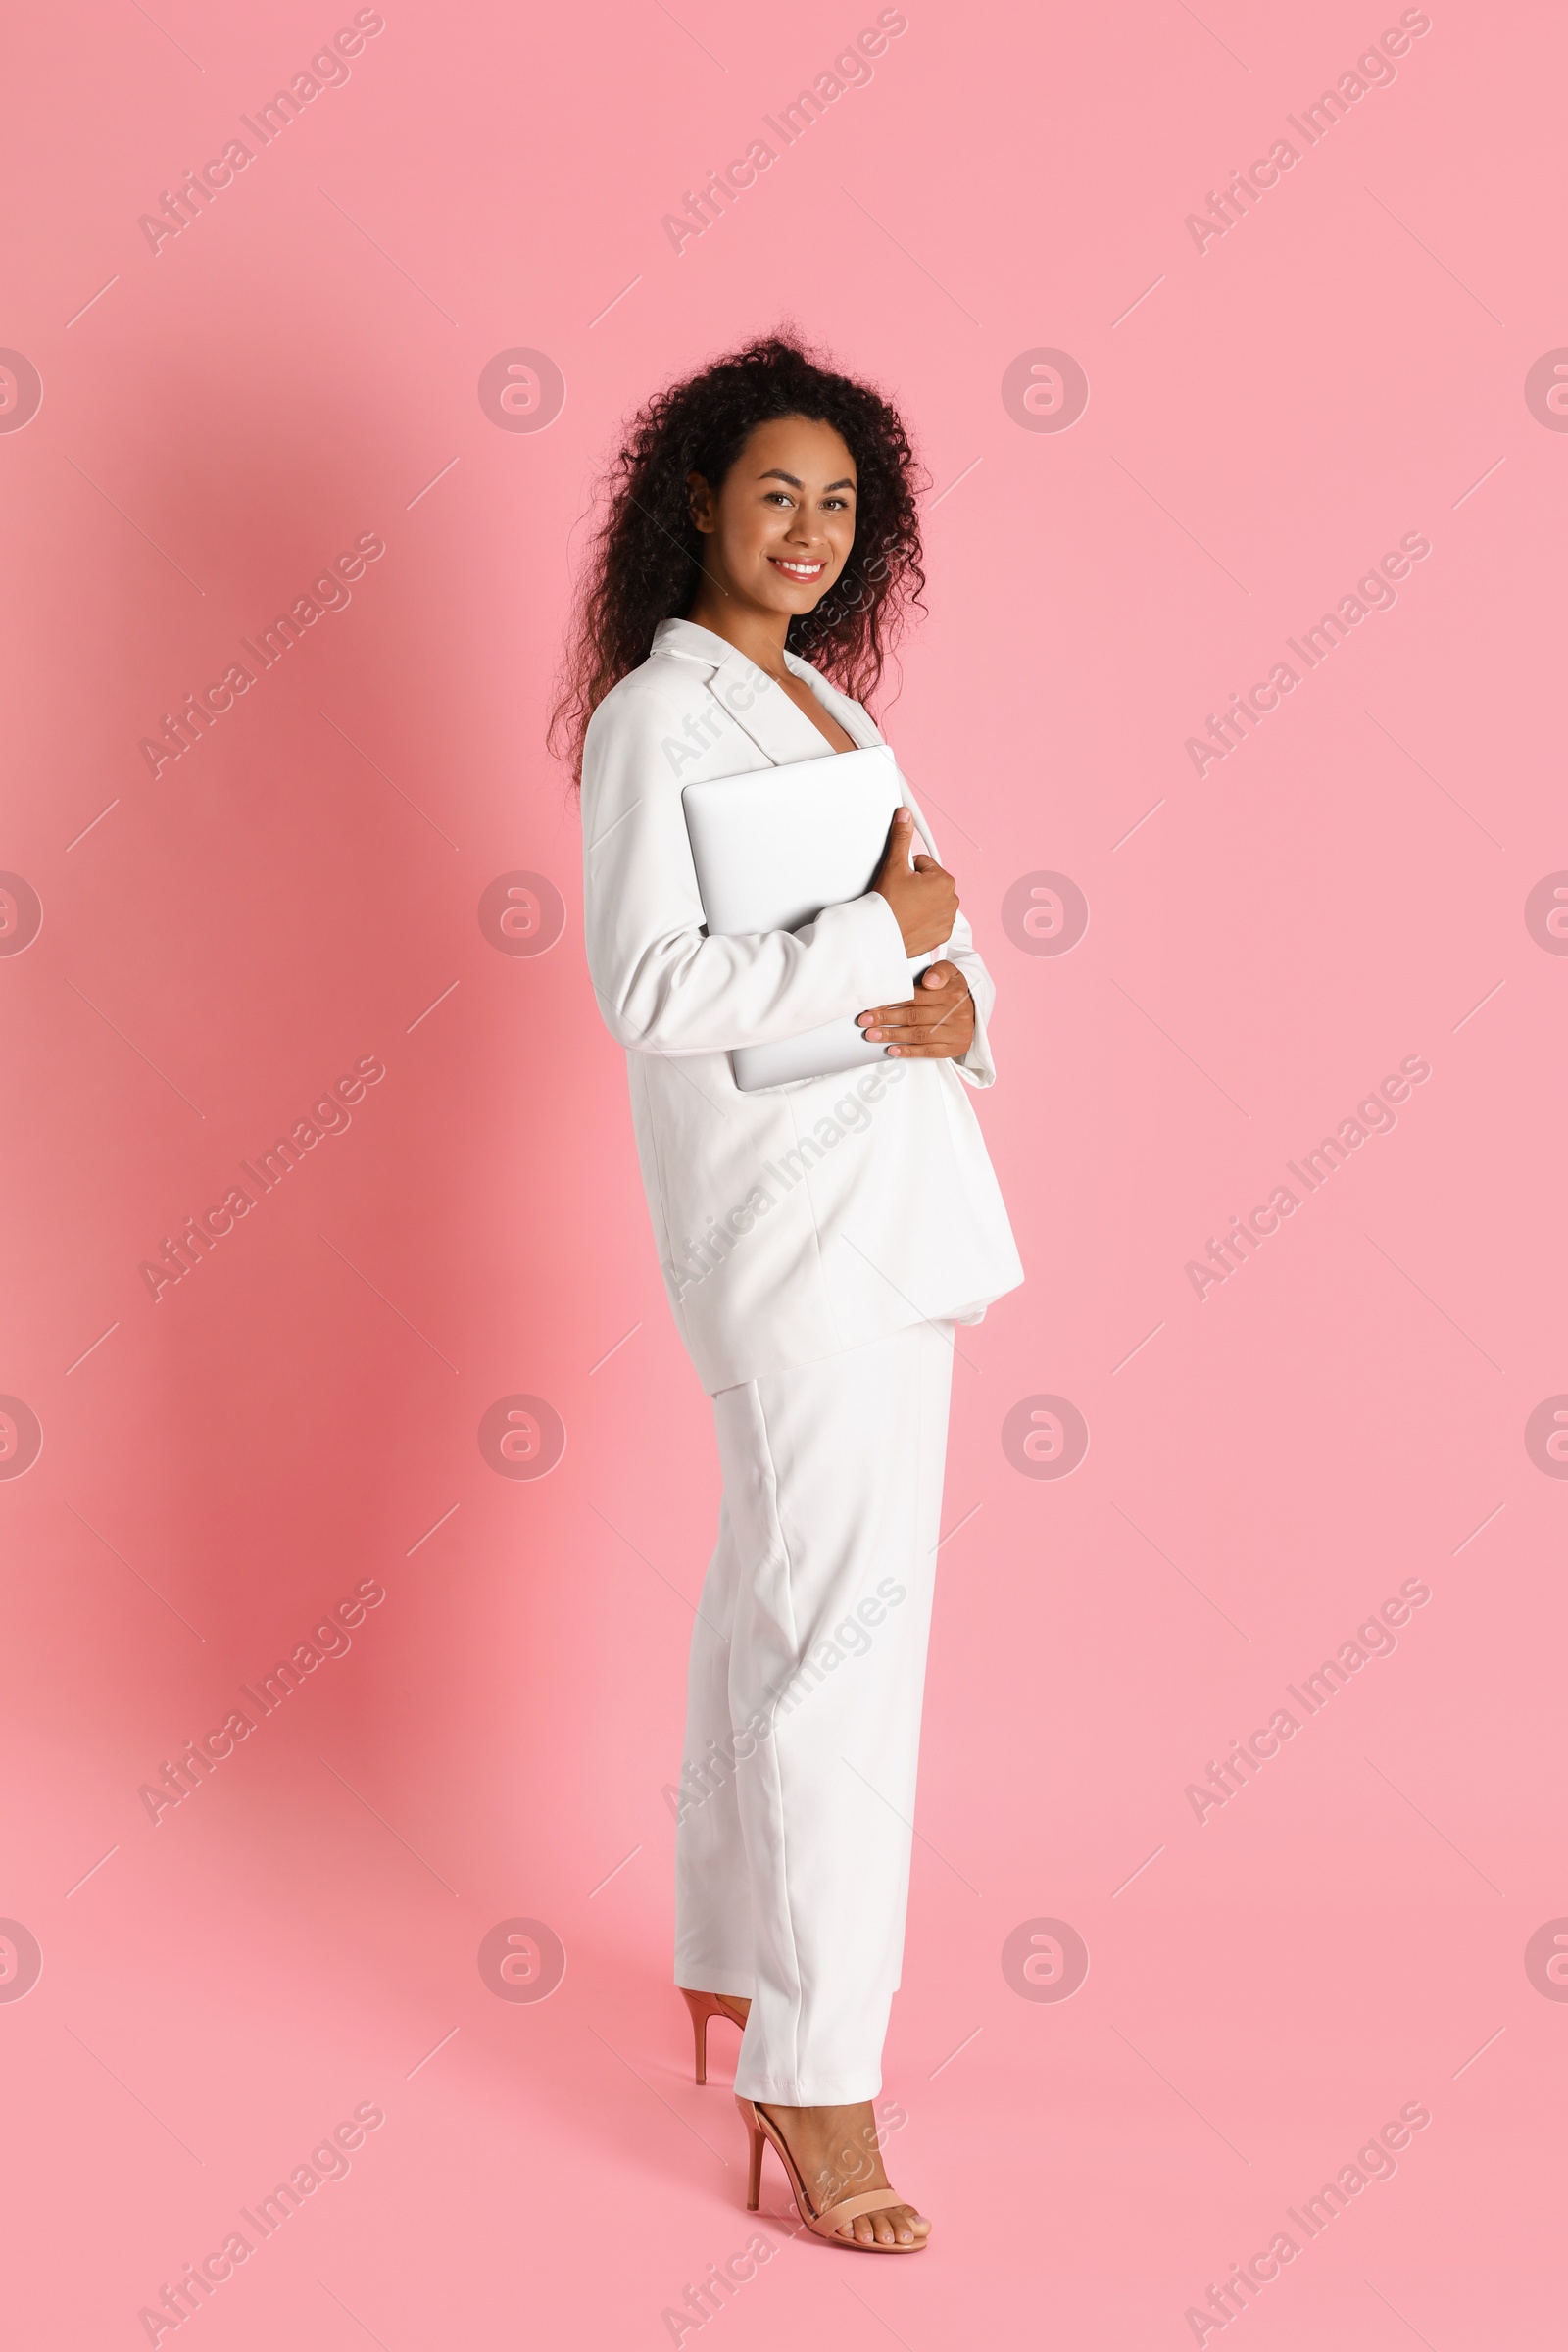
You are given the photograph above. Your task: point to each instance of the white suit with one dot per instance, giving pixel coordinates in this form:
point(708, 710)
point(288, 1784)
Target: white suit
point(810, 1218)
point(818, 1242)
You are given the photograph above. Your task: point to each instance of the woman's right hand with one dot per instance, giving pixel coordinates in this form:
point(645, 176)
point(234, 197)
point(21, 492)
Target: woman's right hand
point(923, 896)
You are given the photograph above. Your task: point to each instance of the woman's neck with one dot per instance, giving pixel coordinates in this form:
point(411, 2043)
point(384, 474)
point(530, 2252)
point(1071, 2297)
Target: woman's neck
point(753, 631)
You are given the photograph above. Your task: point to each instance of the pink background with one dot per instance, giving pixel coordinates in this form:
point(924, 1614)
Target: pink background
point(300, 365)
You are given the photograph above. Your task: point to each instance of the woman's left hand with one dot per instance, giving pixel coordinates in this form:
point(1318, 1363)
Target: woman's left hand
point(935, 1024)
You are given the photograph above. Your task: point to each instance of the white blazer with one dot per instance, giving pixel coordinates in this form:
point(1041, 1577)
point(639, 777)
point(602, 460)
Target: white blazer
point(795, 1223)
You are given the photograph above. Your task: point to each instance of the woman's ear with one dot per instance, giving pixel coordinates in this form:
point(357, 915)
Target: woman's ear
point(702, 501)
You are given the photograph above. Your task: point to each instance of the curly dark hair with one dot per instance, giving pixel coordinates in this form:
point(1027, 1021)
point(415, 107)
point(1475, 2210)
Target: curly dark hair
point(643, 564)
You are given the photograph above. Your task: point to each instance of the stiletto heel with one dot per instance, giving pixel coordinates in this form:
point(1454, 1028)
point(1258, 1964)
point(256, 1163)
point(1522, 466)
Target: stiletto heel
point(826, 2224)
point(703, 2006)
point(753, 2178)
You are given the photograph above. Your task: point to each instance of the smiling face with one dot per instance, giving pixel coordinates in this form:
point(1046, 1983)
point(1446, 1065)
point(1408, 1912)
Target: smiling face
point(779, 531)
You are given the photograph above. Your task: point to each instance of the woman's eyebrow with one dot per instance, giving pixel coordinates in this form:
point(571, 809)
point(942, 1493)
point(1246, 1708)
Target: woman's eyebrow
point(776, 474)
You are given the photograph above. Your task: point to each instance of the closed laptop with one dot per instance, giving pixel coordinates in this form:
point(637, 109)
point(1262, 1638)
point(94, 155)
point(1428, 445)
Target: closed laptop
point(772, 850)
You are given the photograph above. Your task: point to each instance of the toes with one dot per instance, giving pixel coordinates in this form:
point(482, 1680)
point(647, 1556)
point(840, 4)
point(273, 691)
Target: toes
point(896, 2226)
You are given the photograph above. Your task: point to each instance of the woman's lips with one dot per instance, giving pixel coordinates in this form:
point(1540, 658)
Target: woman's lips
point(798, 571)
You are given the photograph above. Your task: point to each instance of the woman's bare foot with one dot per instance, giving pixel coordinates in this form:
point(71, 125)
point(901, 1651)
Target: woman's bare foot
point(835, 2149)
point(837, 2156)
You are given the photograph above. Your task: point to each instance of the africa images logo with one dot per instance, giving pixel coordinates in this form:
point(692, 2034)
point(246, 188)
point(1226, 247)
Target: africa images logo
point(851, 70)
point(21, 391)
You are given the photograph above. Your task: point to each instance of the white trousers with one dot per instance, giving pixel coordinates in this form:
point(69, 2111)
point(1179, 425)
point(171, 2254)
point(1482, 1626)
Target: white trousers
point(808, 1670)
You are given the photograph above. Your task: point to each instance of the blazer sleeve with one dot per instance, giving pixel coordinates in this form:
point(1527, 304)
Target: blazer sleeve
point(977, 1065)
point(662, 984)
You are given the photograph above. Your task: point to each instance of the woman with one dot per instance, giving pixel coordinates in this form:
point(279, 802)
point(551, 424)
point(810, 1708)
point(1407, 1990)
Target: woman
point(819, 1240)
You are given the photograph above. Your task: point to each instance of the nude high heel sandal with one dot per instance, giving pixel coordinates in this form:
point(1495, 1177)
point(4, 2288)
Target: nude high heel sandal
point(703, 2006)
point(826, 2224)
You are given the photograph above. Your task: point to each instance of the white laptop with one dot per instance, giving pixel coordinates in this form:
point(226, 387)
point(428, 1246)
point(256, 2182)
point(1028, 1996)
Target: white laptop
point(772, 850)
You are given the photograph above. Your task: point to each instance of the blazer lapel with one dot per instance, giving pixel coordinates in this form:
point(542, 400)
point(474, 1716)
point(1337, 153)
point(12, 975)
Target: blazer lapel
point(759, 706)
point(763, 710)
point(858, 725)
